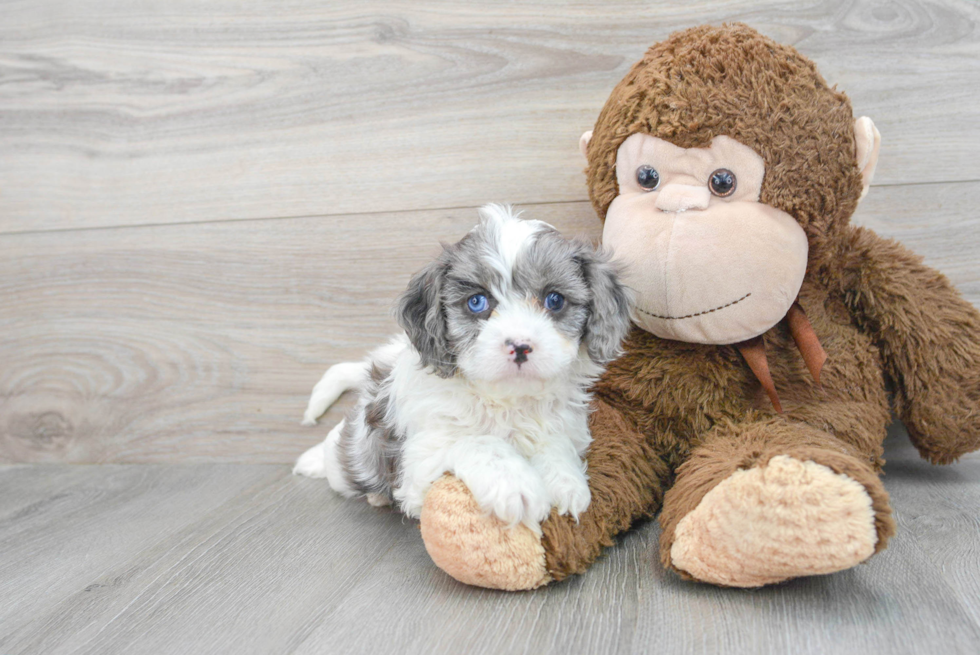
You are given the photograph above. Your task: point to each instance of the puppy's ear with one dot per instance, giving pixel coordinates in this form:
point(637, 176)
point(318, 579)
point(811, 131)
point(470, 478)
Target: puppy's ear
point(420, 315)
point(609, 308)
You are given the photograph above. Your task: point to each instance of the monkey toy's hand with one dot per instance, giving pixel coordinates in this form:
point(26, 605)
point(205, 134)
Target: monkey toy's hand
point(930, 343)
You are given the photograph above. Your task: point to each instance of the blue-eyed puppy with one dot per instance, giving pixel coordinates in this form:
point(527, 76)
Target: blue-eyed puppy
point(505, 332)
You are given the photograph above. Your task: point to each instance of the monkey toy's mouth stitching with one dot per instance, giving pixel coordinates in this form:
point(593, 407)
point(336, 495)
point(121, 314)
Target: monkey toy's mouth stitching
point(707, 311)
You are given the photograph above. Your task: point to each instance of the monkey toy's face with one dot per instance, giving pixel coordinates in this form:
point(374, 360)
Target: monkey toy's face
point(708, 261)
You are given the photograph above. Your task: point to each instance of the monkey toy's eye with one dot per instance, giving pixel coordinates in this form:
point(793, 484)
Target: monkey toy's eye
point(477, 303)
point(554, 301)
point(722, 183)
point(648, 177)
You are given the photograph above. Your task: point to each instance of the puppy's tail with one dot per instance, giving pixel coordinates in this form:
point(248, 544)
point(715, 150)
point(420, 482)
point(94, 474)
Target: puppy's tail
point(338, 379)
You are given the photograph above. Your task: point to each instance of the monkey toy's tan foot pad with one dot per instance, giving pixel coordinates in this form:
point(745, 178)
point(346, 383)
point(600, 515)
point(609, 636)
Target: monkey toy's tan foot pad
point(475, 548)
point(787, 519)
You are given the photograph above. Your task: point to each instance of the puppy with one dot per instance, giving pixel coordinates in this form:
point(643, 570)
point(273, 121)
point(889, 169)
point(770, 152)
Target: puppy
point(505, 332)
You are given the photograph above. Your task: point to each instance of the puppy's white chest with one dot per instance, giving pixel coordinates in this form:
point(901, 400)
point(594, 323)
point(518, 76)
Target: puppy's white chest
point(524, 443)
point(522, 426)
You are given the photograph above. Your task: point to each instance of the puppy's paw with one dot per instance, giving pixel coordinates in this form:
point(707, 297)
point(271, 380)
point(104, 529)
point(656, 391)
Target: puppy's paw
point(312, 463)
point(308, 420)
point(321, 461)
point(378, 500)
point(570, 492)
point(514, 494)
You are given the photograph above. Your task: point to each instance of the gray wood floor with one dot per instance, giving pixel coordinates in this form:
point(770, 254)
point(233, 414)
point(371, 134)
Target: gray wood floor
point(203, 205)
point(245, 558)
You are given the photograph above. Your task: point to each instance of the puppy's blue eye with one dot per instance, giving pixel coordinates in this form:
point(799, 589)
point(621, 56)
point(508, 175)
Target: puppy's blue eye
point(477, 303)
point(554, 301)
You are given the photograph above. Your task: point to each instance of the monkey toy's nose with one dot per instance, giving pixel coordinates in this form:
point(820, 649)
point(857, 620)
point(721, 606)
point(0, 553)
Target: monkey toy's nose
point(683, 197)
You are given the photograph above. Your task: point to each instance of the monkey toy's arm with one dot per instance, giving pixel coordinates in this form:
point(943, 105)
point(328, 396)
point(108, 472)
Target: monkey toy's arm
point(627, 477)
point(929, 338)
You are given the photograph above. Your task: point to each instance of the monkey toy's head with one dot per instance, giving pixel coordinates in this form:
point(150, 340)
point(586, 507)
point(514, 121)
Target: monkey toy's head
point(724, 169)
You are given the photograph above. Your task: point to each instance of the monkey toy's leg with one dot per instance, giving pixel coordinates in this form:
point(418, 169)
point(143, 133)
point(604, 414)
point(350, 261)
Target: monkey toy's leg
point(626, 478)
point(929, 338)
point(773, 499)
point(758, 501)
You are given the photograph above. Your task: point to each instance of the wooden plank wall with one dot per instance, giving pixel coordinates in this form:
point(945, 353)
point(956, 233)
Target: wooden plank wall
point(202, 205)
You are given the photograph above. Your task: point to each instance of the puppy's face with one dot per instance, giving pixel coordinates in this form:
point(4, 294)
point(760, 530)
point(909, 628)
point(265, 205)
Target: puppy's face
point(514, 300)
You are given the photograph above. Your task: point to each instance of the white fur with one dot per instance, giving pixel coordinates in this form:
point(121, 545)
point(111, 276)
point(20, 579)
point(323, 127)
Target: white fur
point(338, 379)
point(511, 234)
point(494, 436)
point(514, 434)
point(517, 321)
point(320, 461)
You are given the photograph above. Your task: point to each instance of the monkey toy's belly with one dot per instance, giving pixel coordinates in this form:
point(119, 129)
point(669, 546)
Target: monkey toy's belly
point(676, 392)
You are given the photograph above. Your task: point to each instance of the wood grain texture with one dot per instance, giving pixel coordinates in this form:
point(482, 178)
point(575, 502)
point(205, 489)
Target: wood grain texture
point(285, 566)
point(145, 112)
point(197, 343)
point(82, 521)
point(203, 205)
point(940, 506)
point(201, 342)
point(246, 577)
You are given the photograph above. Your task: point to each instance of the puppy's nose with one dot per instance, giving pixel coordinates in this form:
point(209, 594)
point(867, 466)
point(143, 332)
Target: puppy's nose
point(519, 350)
point(683, 197)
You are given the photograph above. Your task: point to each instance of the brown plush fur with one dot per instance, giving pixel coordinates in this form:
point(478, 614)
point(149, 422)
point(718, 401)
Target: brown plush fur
point(678, 417)
point(673, 420)
point(706, 82)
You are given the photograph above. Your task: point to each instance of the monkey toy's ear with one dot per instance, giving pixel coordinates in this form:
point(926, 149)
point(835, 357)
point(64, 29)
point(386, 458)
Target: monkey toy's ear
point(868, 141)
point(583, 143)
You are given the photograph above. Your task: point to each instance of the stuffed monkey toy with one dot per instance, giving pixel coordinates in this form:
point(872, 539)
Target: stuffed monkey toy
point(749, 406)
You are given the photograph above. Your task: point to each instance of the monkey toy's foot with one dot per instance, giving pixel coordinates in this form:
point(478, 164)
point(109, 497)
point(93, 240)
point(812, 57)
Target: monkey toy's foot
point(732, 523)
point(476, 548)
point(784, 519)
